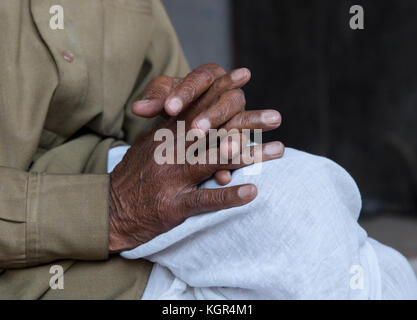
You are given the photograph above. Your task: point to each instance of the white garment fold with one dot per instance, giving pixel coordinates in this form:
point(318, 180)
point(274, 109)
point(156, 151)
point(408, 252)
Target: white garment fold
point(299, 239)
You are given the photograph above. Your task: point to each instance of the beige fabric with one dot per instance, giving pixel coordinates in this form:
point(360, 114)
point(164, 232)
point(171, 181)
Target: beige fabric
point(57, 121)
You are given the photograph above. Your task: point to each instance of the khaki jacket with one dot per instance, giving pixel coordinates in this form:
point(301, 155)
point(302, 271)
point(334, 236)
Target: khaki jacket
point(58, 119)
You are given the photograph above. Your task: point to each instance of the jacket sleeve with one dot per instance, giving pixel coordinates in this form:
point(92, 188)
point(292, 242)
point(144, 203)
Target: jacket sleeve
point(45, 217)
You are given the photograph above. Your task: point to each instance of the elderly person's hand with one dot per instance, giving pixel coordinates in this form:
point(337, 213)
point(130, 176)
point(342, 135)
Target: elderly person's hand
point(168, 96)
point(148, 199)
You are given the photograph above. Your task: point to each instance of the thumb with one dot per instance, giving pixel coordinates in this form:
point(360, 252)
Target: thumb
point(211, 200)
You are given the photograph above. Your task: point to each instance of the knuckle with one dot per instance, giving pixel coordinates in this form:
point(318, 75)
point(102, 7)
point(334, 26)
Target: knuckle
point(158, 86)
point(220, 197)
point(161, 206)
point(218, 114)
point(237, 97)
point(188, 90)
point(202, 75)
point(221, 84)
point(190, 203)
point(245, 119)
point(199, 199)
point(242, 98)
point(216, 68)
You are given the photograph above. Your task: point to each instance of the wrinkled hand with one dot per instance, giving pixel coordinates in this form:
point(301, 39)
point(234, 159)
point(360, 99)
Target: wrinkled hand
point(148, 199)
point(169, 96)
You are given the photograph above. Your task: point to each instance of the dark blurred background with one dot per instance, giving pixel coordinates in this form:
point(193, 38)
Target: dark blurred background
point(350, 95)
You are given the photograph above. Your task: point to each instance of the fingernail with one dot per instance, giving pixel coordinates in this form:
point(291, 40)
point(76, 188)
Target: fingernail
point(203, 125)
point(239, 74)
point(246, 192)
point(175, 105)
point(271, 117)
point(273, 149)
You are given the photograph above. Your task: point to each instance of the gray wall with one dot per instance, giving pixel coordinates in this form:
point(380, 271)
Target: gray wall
point(203, 27)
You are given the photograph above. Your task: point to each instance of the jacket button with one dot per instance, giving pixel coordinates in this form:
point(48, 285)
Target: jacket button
point(68, 56)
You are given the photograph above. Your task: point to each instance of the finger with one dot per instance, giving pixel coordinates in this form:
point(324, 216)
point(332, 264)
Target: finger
point(230, 103)
point(232, 80)
point(211, 200)
point(223, 177)
point(255, 154)
point(154, 96)
point(260, 119)
point(249, 155)
point(231, 144)
point(193, 86)
point(148, 108)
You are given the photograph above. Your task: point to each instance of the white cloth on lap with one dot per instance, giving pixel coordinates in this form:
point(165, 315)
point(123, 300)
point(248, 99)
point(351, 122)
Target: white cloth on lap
point(299, 239)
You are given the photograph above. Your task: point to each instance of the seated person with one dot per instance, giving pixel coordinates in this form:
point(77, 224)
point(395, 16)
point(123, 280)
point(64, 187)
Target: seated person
point(66, 120)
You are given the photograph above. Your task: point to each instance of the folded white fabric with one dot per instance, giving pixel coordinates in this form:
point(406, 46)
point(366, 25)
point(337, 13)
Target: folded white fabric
point(299, 239)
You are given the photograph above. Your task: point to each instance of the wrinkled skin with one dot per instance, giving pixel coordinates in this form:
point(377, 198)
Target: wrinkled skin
point(148, 199)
